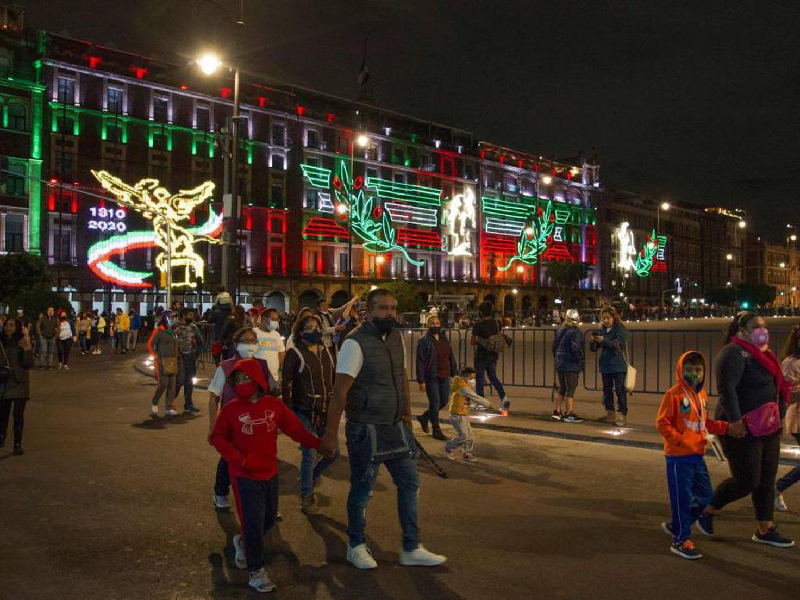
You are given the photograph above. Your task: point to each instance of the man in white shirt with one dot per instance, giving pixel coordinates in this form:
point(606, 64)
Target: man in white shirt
point(372, 383)
point(270, 343)
point(329, 316)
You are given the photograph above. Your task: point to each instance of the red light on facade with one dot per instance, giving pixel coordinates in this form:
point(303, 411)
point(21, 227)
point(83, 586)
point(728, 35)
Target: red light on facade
point(53, 180)
point(263, 101)
point(502, 160)
point(51, 202)
point(95, 61)
point(483, 154)
point(537, 167)
point(191, 218)
point(226, 93)
point(300, 110)
point(331, 117)
point(184, 86)
point(74, 206)
point(249, 225)
point(140, 72)
point(555, 171)
point(519, 163)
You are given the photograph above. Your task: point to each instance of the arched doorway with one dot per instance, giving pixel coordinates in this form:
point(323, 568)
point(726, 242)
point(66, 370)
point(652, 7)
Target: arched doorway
point(339, 298)
point(527, 303)
point(276, 300)
point(508, 304)
point(544, 303)
point(308, 297)
point(490, 298)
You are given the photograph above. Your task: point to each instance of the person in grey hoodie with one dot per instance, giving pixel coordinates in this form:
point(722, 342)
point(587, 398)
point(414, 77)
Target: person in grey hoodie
point(17, 354)
point(163, 347)
point(47, 329)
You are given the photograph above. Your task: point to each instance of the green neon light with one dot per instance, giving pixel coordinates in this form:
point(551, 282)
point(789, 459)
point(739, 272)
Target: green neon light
point(644, 259)
point(317, 176)
point(533, 240)
point(250, 153)
point(169, 141)
point(562, 216)
point(194, 146)
point(150, 139)
point(406, 192)
point(35, 172)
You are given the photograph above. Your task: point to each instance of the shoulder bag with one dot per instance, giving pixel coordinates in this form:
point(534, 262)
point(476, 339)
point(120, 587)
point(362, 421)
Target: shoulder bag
point(630, 370)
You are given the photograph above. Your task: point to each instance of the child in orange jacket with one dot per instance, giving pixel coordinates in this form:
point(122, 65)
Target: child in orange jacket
point(683, 422)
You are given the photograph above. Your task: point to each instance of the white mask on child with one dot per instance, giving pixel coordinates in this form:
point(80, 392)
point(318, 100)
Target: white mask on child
point(471, 383)
point(247, 350)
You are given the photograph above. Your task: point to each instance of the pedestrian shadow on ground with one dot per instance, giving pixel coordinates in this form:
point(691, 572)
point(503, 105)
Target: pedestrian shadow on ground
point(158, 423)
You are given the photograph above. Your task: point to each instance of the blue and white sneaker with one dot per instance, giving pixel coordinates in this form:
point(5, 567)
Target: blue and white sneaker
point(686, 549)
point(705, 523)
point(772, 538)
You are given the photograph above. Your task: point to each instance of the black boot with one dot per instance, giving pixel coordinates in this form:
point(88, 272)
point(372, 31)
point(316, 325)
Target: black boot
point(2, 441)
point(18, 449)
point(438, 435)
point(423, 421)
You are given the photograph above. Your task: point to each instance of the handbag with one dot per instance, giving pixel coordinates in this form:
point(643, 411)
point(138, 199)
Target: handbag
point(169, 365)
point(630, 371)
point(764, 420)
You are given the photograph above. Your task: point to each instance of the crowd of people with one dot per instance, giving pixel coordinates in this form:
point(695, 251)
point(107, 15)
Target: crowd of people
point(352, 361)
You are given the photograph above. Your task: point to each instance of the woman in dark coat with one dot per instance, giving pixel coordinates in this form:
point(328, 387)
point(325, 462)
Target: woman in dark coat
point(17, 355)
point(611, 340)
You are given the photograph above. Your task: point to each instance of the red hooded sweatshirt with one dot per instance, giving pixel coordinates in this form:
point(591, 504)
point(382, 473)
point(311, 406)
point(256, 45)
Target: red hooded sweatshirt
point(246, 433)
point(683, 416)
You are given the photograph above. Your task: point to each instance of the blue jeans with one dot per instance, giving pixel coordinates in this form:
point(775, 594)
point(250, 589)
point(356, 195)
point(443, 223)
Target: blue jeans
point(611, 381)
point(308, 470)
point(47, 348)
point(186, 380)
point(363, 473)
point(792, 476)
point(482, 367)
point(438, 391)
point(690, 492)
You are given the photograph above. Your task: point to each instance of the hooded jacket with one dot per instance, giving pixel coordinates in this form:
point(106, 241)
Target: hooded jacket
point(428, 357)
point(683, 415)
point(246, 433)
point(460, 395)
point(568, 349)
point(612, 358)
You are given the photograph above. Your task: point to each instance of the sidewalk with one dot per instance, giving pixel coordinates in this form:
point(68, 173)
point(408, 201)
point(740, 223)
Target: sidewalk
point(531, 410)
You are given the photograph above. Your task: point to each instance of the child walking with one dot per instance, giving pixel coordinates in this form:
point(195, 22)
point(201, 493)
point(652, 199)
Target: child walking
point(245, 434)
point(683, 423)
point(462, 390)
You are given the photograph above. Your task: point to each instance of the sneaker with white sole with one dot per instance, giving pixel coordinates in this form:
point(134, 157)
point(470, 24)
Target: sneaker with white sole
point(451, 454)
point(66, 367)
point(572, 418)
point(154, 410)
point(466, 457)
point(360, 557)
point(221, 502)
point(260, 582)
point(420, 557)
point(171, 412)
point(780, 503)
point(240, 559)
point(772, 538)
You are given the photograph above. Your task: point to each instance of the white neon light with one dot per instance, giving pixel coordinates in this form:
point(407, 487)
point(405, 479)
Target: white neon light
point(460, 212)
point(627, 247)
point(558, 233)
point(404, 213)
point(502, 227)
point(325, 204)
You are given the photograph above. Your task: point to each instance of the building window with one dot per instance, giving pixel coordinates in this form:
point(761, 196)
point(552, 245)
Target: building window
point(203, 119)
point(244, 128)
point(65, 125)
point(114, 133)
point(277, 194)
point(312, 161)
point(311, 262)
point(277, 161)
point(343, 262)
point(399, 156)
point(62, 245)
point(400, 177)
point(423, 269)
point(312, 139)
point(66, 90)
point(311, 199)
point(63, 165)
point(276, 260)
point(160, 109)
point(15, 233)
point(5, 66)
point(160, 141)
point(114, 104)
point(372, 173)
point(15, 184)
point(16, 117)
point(203, 149)
point(278, 134)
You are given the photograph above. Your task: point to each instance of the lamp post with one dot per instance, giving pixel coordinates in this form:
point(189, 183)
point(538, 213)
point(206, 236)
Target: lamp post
point(362, 140)
point(209, 63)
point(665, 206)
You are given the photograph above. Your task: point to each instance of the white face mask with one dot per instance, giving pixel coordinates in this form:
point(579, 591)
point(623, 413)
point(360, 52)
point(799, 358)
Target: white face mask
point(247, 350)
point(471, 383)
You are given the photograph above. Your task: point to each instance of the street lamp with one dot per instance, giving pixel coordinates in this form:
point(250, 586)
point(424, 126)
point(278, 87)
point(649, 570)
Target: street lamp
point(209, 63)
point(362, 140)
point(665, 206)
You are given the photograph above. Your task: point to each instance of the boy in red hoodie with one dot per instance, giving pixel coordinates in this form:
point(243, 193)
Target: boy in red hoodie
point(683, 422)
point(245, 434)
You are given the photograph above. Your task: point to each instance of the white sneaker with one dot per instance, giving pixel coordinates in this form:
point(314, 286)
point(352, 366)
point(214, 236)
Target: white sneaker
point(171, 413)
point(420, 558)
point(66, 367)
point(360, 557)
point(780, 503)
point(154, 410)
point(240, 558)
point(221, 502)
point(259, 581)
point(60, 366)
point(451, 454)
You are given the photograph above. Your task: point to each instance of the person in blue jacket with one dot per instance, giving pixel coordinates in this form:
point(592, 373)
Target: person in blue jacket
point(570, 361)
point(435, 366)
point(133, 332)
point(611, 340)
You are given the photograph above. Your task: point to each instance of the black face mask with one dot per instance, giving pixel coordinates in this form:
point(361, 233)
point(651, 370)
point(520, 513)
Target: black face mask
point(385, 325)
point(434, 330)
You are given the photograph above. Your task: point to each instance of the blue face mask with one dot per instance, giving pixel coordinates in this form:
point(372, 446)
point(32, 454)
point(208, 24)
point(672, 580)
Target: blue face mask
point(273, 325)
point(311, 338)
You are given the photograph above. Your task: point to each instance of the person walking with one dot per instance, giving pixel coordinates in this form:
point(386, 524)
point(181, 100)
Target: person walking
point(486, 353)
point(328, 317)
point(163, 347)
point(752, 391)
point(308, 377)
point(436, 364)
point(47, 330)
point(83, 328)
point(122, 324)
point(102, 324)
point(16, 354)
point(64, 339)
point(372, 386)
point(791, 422)
point(570, 361)
point(233, 322)
point(612, 339)
point(135, 328)
point(270, 343)
point(190, 348)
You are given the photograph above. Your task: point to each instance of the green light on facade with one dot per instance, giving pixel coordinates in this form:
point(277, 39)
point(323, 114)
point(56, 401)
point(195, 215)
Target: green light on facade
point(250, 154)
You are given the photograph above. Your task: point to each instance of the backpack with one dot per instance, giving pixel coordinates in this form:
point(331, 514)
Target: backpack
point(498, 342)
point(186, 339)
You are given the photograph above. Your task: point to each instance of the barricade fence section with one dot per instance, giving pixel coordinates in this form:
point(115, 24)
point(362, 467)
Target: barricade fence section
point(528, 361)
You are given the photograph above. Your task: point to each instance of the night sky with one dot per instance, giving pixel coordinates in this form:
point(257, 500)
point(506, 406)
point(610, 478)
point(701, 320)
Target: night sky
point(693, 101)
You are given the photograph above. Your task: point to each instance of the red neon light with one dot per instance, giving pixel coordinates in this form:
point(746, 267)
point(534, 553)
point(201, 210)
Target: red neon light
point(51, 202)
point(659, 266)
point(94, 62)
point(322, 227)
point(249, 225)
point(226, 92)
point(483, 154)
point(74, 206)
point(558, 251)
point(140, 72)
point(300, 110)
point(263, 101)
point(184, 86)
point(498, 244)
point(331, 117)
point(417, 237)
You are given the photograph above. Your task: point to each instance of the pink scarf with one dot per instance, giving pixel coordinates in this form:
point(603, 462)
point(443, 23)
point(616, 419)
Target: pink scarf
point(770, 362)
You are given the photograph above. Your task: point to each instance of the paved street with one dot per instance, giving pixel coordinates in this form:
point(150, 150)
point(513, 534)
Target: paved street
point(107, 503)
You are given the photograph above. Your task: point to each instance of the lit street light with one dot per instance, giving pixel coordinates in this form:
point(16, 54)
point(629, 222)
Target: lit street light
point(209, 63)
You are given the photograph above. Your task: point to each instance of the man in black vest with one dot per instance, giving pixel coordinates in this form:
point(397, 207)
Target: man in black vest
point(372, 386)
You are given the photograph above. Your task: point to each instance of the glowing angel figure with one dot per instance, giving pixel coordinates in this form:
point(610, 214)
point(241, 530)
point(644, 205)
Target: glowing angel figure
point(627, 247)
point(460, 212)
point(167, 212)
